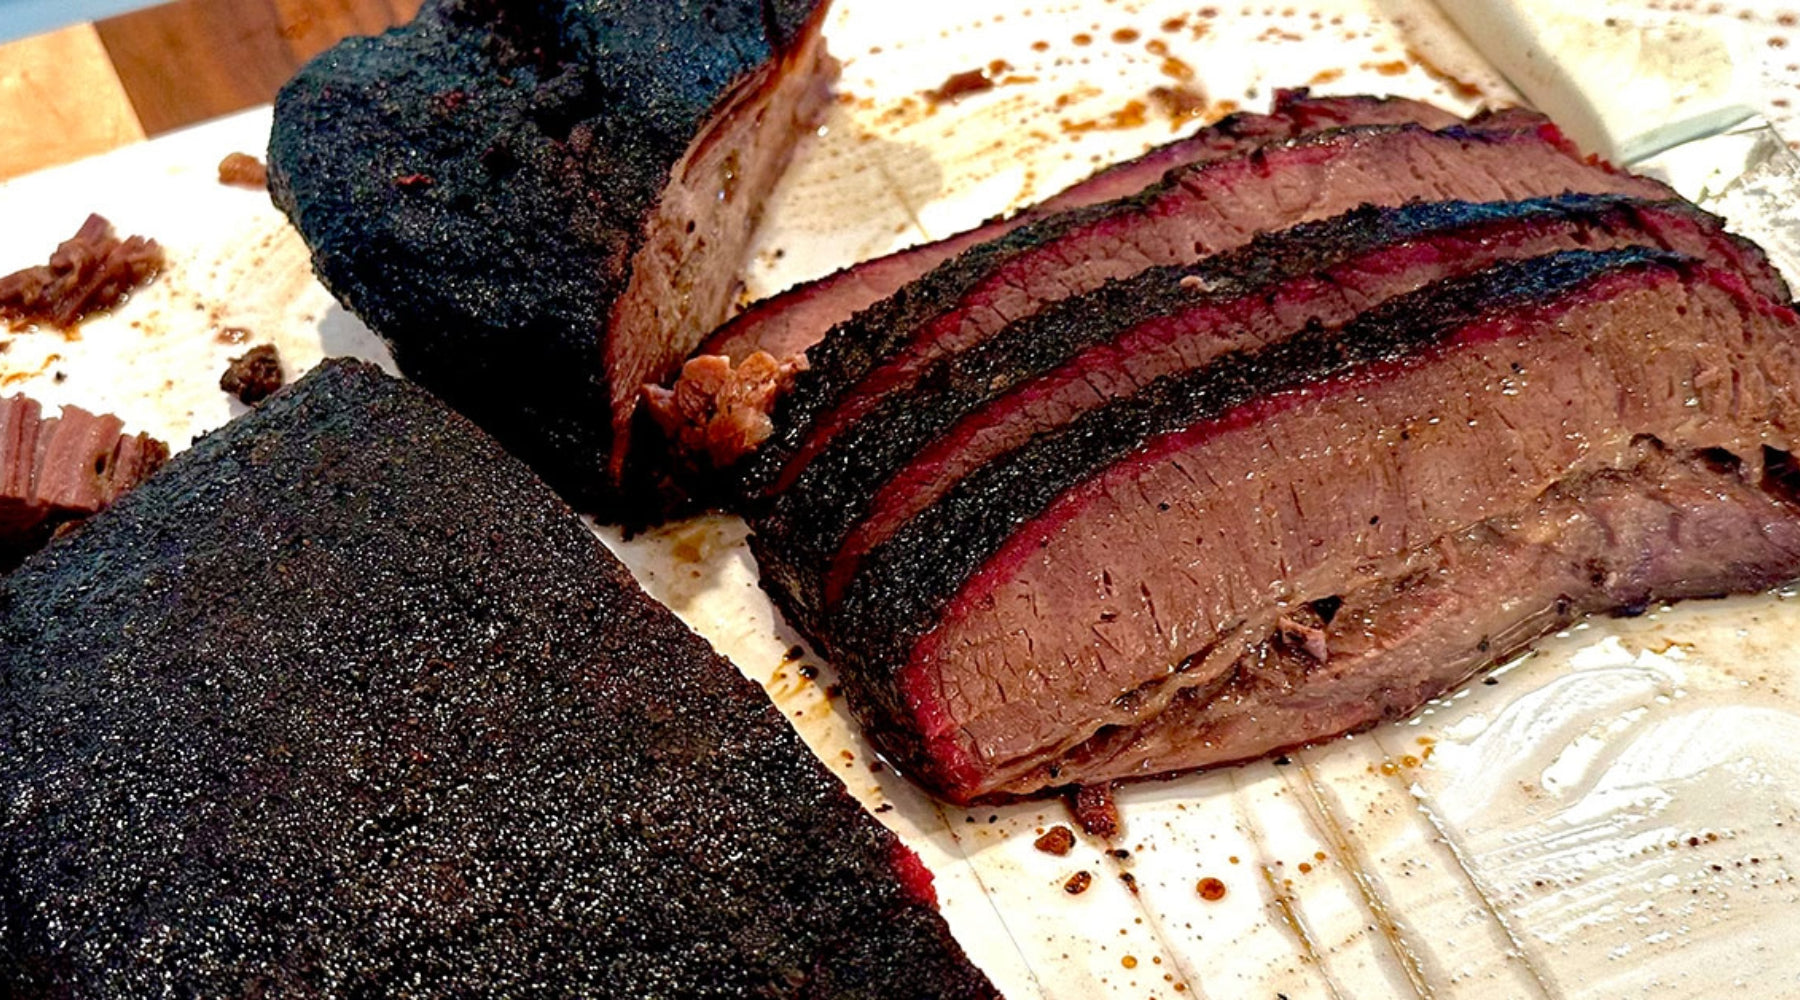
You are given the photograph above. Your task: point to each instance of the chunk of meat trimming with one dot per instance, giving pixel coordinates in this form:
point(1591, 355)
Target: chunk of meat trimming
point(346, 702)
point(540, 210)
point(58, 470)
point(1193, 213)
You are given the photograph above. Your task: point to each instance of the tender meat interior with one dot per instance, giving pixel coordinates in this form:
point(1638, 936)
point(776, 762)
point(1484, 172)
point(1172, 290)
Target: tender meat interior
point(718, 410)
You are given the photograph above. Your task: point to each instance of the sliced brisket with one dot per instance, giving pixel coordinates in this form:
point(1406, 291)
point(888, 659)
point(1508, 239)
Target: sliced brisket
point(1160, 543)
point(1661, 527)
point(720, 432)
point(1193, 213)
point(60, 469)
point(345, 702)
point(90, 272)
point(1041, 372)
point(788, 324)
point(537, 207)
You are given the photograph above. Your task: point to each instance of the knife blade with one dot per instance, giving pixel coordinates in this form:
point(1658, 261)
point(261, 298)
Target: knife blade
point(1677, 100)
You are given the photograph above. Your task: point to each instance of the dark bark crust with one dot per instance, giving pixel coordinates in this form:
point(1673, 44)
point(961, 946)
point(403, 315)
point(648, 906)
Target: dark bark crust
point(345, 702)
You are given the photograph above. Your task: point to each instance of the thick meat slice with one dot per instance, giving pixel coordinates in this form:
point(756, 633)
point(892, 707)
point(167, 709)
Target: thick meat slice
point(60, 469)
point(1661, 528)
point(787, 324)
point(1043, 371)
point(1079, 584)
point(1193, 213)
point(346, 703)
point(537, 207)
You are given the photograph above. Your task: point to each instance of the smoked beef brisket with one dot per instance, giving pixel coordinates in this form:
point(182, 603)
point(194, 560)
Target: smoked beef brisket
point(345, 702)
point(57, 470)
point(1194, 212)
point(1292, 540)
point(1043, 371)
point(541, 206)
point(788, 324)
point(719, 408)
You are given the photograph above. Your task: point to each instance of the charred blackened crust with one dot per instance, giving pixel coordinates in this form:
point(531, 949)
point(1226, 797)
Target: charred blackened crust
point(345, 702)
point(474, 185)
point(904, 584)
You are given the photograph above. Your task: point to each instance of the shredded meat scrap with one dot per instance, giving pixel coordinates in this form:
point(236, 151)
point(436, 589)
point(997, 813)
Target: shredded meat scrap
point(90, 272)
point(719, 412)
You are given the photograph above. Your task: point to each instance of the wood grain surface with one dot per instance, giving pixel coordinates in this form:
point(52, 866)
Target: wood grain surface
point(60, 100)
point(93, 87)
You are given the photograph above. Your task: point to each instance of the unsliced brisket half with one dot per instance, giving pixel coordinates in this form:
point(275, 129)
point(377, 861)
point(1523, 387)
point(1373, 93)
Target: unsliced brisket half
point(1043, 371)
point(1161, 549)
point(538, 206)
point(787, 324)
point(346, 703)
point(1195, 212)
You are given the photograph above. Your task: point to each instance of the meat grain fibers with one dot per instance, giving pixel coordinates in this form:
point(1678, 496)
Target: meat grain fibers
point(54, 471)
point(90, 272)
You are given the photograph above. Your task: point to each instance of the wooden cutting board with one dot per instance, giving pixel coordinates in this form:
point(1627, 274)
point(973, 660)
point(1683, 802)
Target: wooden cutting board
point(95, 86)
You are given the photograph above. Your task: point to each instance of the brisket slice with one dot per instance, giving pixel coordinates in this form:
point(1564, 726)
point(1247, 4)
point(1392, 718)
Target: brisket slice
point(345, 702)
point(1153, 545)
point(1193, 213)
point(788, 324)
point(88, 273)
point(60, 469)
point(537, 207)
point(1041, 372)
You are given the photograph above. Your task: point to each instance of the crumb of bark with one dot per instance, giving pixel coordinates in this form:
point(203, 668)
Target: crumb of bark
point(243, 170)
point(1095, 811)
point(1058, 840)
point(254, 376)
point(90, 272)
